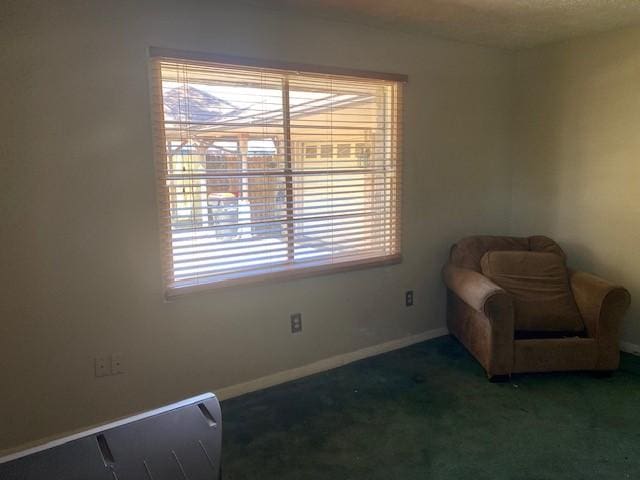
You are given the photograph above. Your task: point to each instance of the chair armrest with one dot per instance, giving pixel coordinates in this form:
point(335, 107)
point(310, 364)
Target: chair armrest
point(601, 303)
point(481, 315)
point(471, 287)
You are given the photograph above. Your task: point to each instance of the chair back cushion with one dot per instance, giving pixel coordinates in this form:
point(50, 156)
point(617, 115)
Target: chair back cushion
point(539, 283)
point(467, 252)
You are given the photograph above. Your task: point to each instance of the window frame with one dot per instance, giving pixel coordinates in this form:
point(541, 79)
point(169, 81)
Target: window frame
point(282, 67)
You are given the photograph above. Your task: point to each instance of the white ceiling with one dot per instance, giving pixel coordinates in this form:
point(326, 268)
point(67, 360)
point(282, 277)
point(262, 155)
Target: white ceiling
point(502, 23)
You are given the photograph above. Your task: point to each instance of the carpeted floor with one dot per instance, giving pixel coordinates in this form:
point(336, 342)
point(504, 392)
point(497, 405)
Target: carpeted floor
point(427, 412)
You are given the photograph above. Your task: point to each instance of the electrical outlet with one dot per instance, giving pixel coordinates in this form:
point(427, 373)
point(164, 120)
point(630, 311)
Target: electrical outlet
point(102, 366)
point(408, 298)
point(109, 365)
point(296, 323)
point(117, 363)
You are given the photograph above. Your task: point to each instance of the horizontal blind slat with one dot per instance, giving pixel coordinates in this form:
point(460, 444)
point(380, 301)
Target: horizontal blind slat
point(203, 240)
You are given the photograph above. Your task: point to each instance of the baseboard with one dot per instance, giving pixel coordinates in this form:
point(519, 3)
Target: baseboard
point(326, 364)
point(630, 348)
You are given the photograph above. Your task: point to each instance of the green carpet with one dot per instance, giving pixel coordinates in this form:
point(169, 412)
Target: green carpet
point(428, 412)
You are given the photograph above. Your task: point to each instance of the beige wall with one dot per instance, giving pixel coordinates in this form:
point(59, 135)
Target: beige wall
point(79, 242)
point(576, 172)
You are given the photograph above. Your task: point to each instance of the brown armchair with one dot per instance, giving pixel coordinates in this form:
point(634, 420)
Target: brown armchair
point(488, 319)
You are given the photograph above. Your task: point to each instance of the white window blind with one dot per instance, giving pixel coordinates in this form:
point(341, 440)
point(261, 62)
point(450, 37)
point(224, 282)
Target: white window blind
point(266, 172)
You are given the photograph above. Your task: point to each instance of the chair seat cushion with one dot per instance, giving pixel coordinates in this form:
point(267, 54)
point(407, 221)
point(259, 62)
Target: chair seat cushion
point(539, 283)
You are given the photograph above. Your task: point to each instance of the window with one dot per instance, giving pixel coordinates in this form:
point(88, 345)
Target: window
point(311, 151)
point(326, 151)
point(243, 195)
point(362, 154)
point(344, 150)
